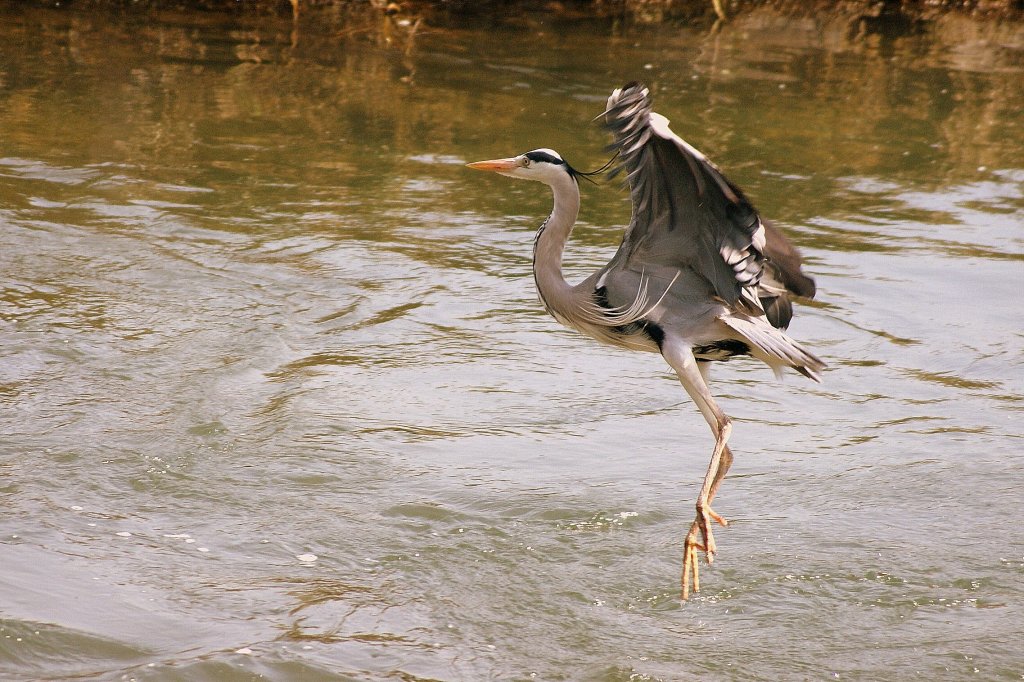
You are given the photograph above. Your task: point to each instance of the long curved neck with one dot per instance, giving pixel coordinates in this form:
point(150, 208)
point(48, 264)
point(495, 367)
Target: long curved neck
point(555, 292)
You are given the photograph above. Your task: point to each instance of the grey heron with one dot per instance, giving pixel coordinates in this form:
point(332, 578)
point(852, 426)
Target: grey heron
point(698, 276)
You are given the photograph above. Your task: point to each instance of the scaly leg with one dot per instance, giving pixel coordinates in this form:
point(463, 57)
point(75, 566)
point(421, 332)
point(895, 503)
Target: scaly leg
point(700, 527)
point(691, 546)
point(692, 377)
point(726, 461)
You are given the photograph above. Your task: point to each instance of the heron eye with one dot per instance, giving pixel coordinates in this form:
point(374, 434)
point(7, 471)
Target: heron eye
point(525, 163)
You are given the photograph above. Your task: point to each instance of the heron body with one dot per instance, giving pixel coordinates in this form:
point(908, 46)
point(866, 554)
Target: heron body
point(698, 276)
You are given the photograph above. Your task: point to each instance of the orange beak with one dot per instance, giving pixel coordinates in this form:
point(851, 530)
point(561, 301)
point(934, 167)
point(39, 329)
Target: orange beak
point(497, 165)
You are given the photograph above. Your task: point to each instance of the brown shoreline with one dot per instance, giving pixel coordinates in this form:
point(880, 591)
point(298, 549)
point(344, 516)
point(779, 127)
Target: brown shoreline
point(641, 11)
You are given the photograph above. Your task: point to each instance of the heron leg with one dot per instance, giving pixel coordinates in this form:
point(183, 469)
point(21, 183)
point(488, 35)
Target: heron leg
point(700, 527)
point(693, 380)
point(726, 461)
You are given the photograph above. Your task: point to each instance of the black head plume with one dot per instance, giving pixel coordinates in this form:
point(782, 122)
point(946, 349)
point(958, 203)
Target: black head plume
point(589, 175)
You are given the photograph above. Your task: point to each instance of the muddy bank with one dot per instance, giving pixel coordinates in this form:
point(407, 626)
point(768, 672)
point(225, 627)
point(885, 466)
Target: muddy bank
point(644, 11)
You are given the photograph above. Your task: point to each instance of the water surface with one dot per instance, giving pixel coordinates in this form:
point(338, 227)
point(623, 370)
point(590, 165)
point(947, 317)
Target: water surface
point(279, 400)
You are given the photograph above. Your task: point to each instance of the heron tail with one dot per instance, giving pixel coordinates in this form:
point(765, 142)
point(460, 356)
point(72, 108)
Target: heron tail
point(775, 348)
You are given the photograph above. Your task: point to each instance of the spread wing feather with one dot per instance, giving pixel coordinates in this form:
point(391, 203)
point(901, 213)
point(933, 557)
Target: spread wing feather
point(686, 214)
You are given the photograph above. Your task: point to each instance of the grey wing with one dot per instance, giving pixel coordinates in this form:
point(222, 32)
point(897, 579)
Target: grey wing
point(782, 276)
point(686, 214)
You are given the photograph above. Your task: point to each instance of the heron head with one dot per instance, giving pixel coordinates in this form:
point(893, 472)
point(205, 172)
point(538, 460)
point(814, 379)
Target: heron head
point(543, 165)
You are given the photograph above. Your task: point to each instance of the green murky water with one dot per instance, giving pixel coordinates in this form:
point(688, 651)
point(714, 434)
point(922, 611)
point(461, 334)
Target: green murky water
point(278, 400)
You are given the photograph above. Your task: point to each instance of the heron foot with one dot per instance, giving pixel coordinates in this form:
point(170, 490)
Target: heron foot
point(706, 544)
point(691, 568)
